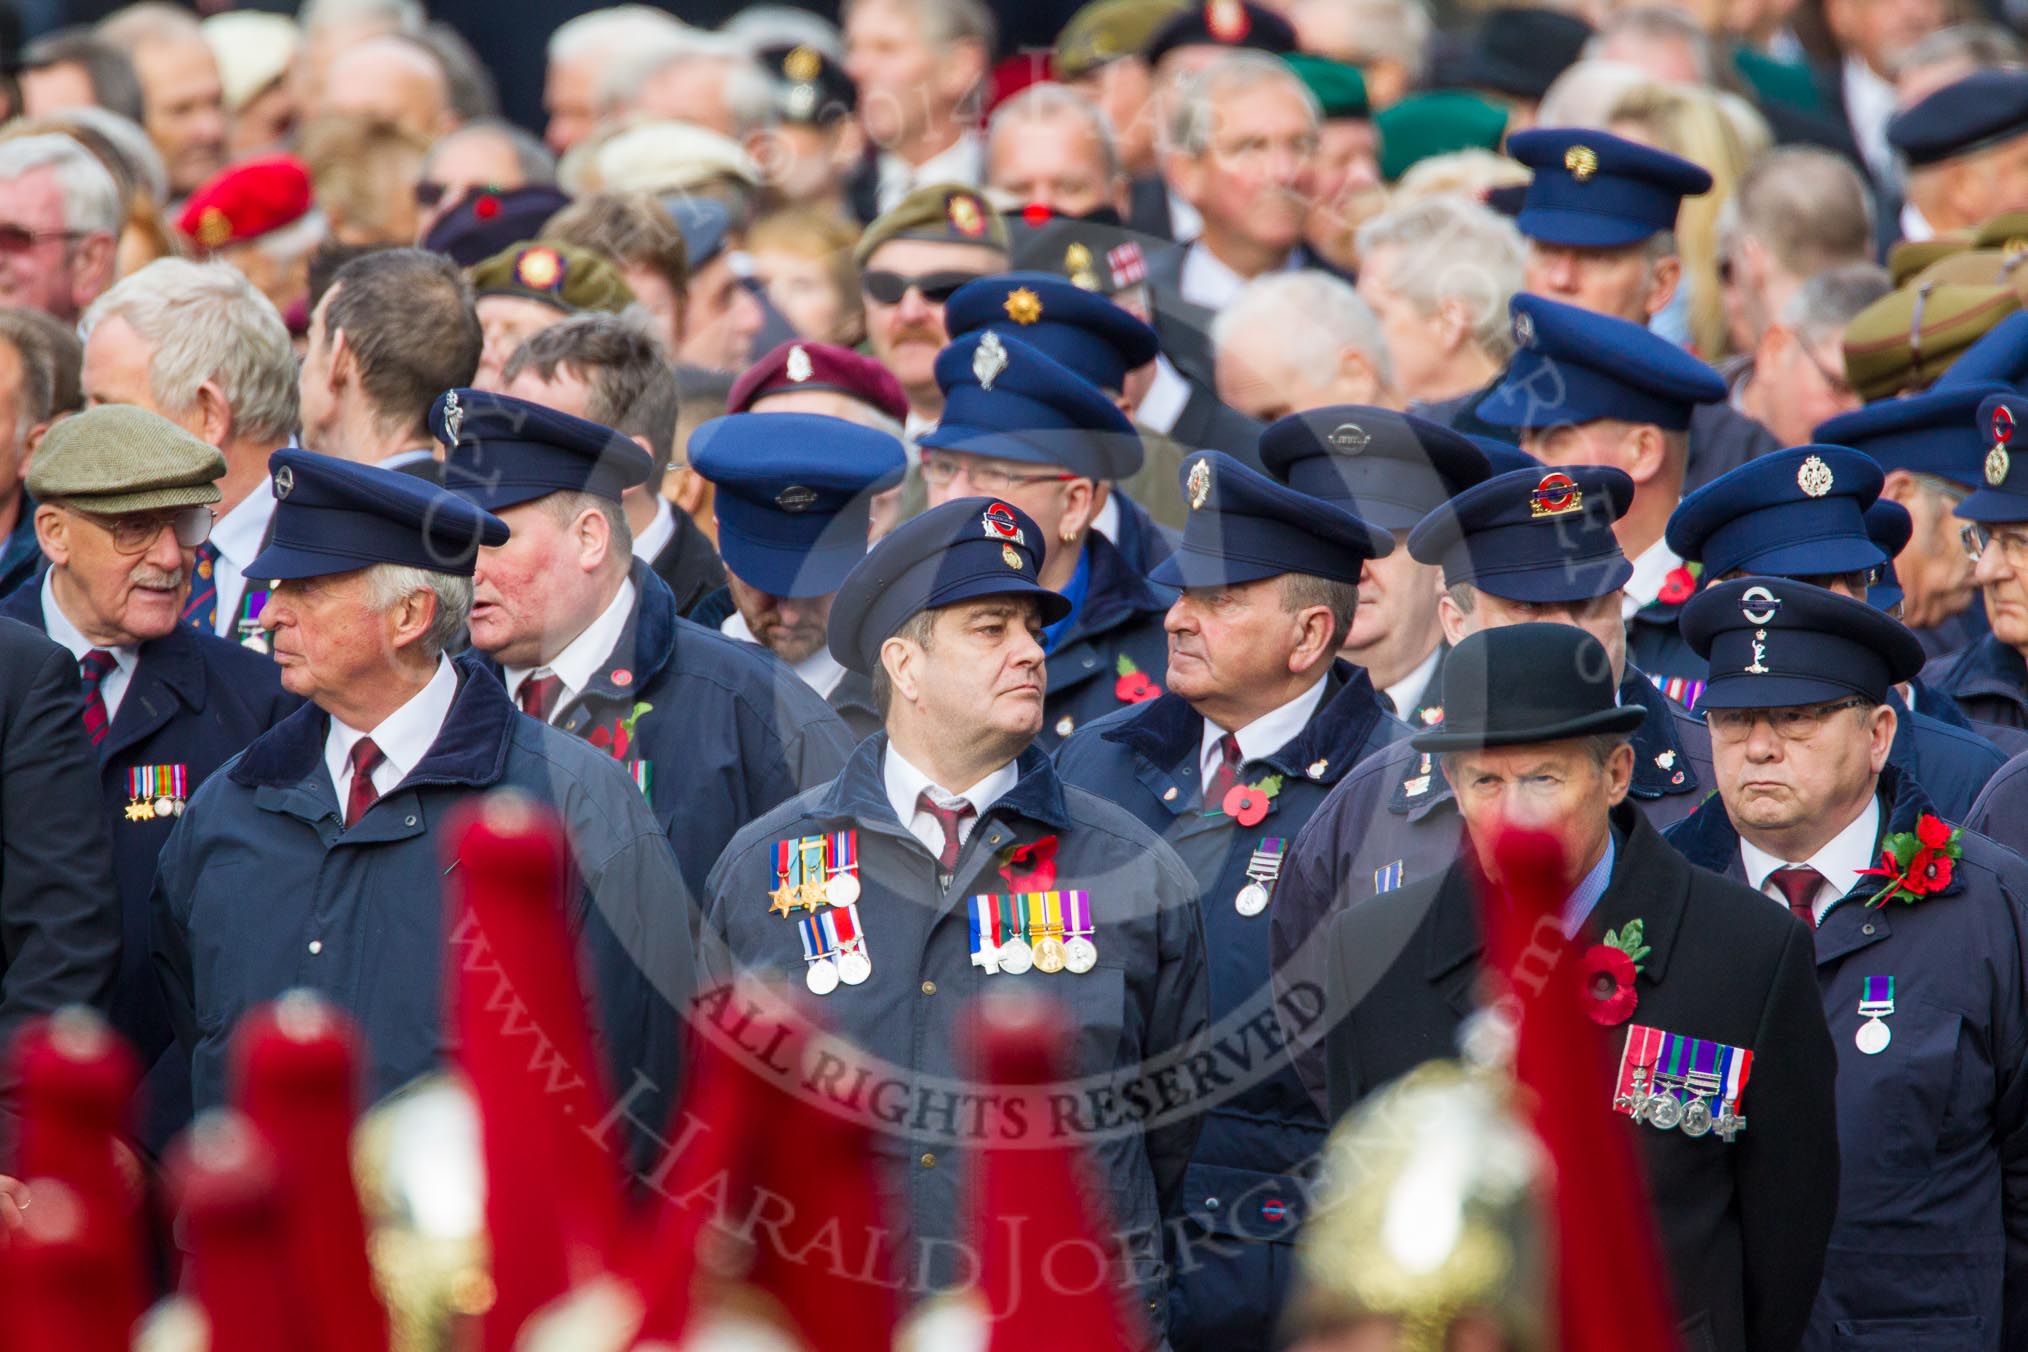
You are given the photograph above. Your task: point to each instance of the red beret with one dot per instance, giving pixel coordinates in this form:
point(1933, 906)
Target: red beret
point(799, 365)
point(247, 201)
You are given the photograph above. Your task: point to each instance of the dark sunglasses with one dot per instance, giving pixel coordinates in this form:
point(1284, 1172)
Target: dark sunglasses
point(889, 287)
point(428, 194)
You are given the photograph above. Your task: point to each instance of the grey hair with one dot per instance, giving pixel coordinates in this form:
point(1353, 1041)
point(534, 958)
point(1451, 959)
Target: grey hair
point(1300, 591)
point(1656, 23)
point(759, 26)
point(531, 157)
point(400, 16)
point(1393, 30)
point(139, 158)
point(944, 22)
point(35, 399)
point(1453, 249)
point(1825, 304)
point(1806, 206)
point(1983, 45)
point(114, 85)
point(134, 26)
point(1586, 94)
point(919, 629)
point(749, 94)
point(1039, 102)
point(607, 34)
point(205, 322)
point(388, 584)
point(1195, 120)
point(91, 201)
point(1318, 316)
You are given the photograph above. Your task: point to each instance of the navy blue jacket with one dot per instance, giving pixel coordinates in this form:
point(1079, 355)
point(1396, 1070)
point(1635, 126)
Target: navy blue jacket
point(1242, 1185)
point(1930, 1249)
point(262, 888)
point(1141, 1005)
point(1142, 541)
point(1989, 682)
point(194, 700)
point(729, 731)
point(1121, 616)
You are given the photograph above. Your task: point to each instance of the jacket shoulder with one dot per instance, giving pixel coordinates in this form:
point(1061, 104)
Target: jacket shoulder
point(1961, 741)
point(784, 820)
point(1103, 817)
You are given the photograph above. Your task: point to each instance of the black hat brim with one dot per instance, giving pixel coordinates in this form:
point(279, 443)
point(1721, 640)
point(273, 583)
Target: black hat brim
point(1622, 718)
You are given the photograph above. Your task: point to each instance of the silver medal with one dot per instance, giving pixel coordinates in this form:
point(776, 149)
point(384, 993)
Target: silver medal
point(1665, 1111)
point(165, 807)
point(842, 889)
point(1696, 1118)
point(1080, 955)
point(822, 977)
point(1252, 900)
point(854, 966)
point(1873, 1037)
point(1016, 957)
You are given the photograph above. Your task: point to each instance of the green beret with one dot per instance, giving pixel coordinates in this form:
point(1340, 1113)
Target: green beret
point(117, 458)
point(1436, 123)
point(1340, 89)
point(1106, 30)
point(562, 275)
point(1904, 340)
point(949, 213)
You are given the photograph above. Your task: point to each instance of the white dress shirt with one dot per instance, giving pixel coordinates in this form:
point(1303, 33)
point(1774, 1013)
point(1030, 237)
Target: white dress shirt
point(905, 783)
point(401, 460)
point(962, 161)
point(1264, 736)
point(658, 533)
point(1186, 222)
point(1164, 402)
point(404, 736)
point(1207, 281)
point(1870, 102)
point(237, 538)
point(1409, 688)
point(820, 671)
point(1107, 522)
point(113, 685)
point(584, 656)
point(1915, 227)
point(1651, 570)
point(1839, 862)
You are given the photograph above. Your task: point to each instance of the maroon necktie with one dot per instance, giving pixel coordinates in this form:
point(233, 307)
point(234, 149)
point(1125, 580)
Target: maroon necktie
point(365, 756)
point(1798, 887)
point(93, 668)
point(948, 818)
point(538, 696)
point(1226, 776)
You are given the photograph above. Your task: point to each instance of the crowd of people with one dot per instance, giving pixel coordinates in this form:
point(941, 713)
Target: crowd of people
point(1150, 522)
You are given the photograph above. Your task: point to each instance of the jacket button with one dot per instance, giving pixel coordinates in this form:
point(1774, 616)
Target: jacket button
point(409, 821)
point(1211, 1204)
point(316, 947)
point(929, 1161)
point(1867, 930)
point(929, 988)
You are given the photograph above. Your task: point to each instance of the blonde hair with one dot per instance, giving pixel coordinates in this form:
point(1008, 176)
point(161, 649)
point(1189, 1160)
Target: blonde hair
point(1703, 127)
point(364, 171)
point(817, 233)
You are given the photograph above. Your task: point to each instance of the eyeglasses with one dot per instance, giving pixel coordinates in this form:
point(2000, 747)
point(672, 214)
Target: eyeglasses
point(2013, 543)
point(134, 534)
point(16, 239)
point(940, 470)
point(428, 194)
point(1834, 381)
point(889, 287)
point(1791, 725)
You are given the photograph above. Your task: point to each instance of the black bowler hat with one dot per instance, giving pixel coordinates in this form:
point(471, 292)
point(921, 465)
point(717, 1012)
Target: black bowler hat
point(1526, 683)
point(1520, 52)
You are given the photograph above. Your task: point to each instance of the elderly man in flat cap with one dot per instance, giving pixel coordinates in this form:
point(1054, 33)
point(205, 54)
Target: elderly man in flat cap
point(316, 860)
point(124, 501)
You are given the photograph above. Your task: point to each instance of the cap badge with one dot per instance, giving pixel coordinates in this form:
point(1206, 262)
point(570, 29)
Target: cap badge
point(802, 63)
point(1997, 459)
point(1557, 495)
point(1813, 476)
point(799, 101)
point(1582, 162)
point(1023, 306)
point(1758, 605)
point(1077, 266)
point(800, 369)
point(1000, 524)
point(539, 269)
point(285, 481)
point(1012, 557)
point(1128, 263)
point(989, 359)
point(796, 498)
point(1350, 438)
point(454, 416)
point(1524, 329)
point(213, 227)
point(1199, 484)
point(965, 215)
point(1226, 20)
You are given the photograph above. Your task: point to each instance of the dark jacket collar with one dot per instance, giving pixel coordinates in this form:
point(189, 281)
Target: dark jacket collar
point(1116, 594)
point(1988, 668)
point(176, 659)
point(859, 793)
point(646, 645)
point(1169, 734)
point(471, 749)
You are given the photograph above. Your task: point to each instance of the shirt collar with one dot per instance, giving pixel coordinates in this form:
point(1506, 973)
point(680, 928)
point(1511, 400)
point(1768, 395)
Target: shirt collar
point(658, 533)
point(962, 161)
point(1107, 522)
point(237, 534)
point(1839, 861)
point(1651, 570)
point(820, 671)
point(58, 626)
point(1584, 898)
point(1267, 734)
point(1186, 222)
point(905, 783)
point(1915, 226)
point(584, 656)
point(1405, 692)
point(404, 736)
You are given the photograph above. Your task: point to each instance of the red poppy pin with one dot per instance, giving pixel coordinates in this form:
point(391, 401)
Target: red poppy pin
point(617, 738)
point(1608, 972)
point(1133, 685)
point(1030, 867)
point(1247, 804)
point(1680, 585)
point(1918, 863)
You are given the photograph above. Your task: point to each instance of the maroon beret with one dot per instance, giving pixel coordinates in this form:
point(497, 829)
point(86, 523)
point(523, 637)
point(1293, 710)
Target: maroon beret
point(801, 365)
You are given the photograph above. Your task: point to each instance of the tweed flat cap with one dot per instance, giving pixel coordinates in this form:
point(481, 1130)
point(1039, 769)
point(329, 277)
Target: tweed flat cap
point(119, 458)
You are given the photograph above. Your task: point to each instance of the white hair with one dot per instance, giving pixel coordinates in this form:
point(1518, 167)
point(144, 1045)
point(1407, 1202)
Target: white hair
point(1393, 30)
point(759, 26)
point(389, 584)
point(1586, 94)
point(609, 34)
point(944, 22)
point(150, 21)
point(137, 153)
point(1453, 249)
point(749, 94)
point(205, 321)
point(91, 200)
point(1040, 102)
point(1196, 117)
point(399, 16)
point(1317, 316)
